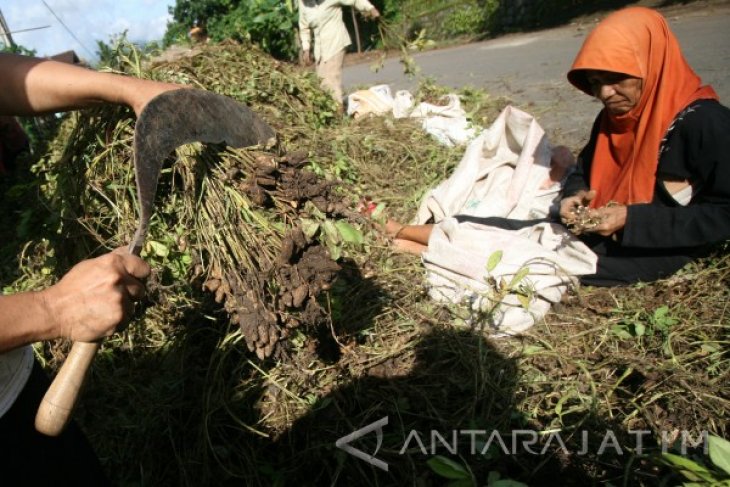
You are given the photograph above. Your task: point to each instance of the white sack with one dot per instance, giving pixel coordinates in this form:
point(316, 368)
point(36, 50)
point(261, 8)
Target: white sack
point(500, 176)
point(376, 100)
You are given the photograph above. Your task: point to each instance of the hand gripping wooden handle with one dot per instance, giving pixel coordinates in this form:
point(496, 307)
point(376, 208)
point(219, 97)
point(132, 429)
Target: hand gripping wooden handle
point(57, 405)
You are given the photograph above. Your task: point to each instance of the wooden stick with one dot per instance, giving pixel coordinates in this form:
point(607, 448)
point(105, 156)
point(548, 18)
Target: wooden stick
point(357, 29)
point(57, 405)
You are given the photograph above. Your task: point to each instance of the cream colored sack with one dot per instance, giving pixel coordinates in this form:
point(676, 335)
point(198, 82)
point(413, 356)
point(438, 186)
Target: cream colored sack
point(500, 175)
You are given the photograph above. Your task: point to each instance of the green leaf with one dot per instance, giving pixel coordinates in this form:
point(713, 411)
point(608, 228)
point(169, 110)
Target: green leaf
point(661, 318)
point(687, 467)
point(378, 214)
point(620, 331)
point(494, 260)
point(524, 301)
point(639, 329)
point(157, 248)
point(661, 312)
point(259, 19)
point(521, 274)
point(330, 232)
point(349, 233)
point(559, 405)
point(719, 452)
point(532, 349)
point(310, 228)
point(708, 348)
point(447, 468)
point(335, 250)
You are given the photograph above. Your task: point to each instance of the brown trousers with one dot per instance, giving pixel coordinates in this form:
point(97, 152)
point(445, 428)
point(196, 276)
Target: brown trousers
point(331, 73)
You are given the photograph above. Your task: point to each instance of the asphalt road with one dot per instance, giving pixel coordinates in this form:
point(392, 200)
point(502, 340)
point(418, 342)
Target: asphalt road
point(530, 68)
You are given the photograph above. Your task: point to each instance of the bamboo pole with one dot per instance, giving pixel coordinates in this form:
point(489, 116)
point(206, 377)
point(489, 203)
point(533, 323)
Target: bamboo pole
point(357, 30)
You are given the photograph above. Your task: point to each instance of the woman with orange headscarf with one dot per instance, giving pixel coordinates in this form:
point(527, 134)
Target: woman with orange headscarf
point(656, 170)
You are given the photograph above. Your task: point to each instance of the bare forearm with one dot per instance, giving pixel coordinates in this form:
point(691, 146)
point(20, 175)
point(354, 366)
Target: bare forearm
point(24, 319)
point(30, 86)
point(88, 303)
point(416, 233)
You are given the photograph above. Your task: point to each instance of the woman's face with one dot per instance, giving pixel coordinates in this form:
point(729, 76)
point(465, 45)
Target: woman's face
point(618, 92)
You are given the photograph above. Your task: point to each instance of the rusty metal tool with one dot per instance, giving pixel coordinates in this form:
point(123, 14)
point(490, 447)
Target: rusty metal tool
point(169, 120)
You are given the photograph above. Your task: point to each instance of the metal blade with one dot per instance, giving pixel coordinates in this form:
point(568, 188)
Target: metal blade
point(179, 117)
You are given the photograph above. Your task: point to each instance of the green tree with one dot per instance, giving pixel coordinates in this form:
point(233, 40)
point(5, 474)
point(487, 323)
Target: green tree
point(268, 23)
point(186, 13)
point(18, 49)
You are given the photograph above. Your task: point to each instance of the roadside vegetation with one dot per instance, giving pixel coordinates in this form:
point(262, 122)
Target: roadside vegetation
point(272, 24)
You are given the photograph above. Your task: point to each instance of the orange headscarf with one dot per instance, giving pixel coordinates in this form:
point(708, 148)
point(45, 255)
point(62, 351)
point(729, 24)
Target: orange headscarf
point(635, 41)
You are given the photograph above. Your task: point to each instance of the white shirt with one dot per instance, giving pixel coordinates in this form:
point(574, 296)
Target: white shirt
point(15, 367)
point(325, 21)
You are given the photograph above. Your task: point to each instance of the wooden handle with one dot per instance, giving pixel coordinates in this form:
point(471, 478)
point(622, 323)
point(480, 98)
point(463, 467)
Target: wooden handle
point(55, 410)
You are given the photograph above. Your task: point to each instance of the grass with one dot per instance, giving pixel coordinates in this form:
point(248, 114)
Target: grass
point(179, 398)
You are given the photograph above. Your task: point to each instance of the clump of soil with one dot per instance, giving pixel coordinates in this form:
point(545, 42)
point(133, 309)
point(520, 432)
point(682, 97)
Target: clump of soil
point(281, 293)
point(285, 179)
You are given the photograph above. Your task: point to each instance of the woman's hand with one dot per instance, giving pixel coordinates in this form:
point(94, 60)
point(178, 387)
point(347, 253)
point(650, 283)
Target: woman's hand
point(612, 219)
point(569, 205)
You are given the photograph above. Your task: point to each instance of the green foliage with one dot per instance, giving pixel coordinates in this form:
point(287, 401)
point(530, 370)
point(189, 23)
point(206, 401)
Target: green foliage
point(485, 308)
point(443, 19)
point(272, 24)
point(18, 49)
point(176, 33)
point(696, 472)
point(450, 469)
point(119, 54)
point(466, 20)
point(268, 23)
point(461, 476)
point(191, 12)
point(494, 260)
point(340, 237)
point(720, 453)
point(641, 323)
point(339, 167)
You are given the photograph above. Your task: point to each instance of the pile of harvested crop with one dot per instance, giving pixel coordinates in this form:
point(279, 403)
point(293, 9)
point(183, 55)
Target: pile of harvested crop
point(255, 228)
point(275, 287)
point(284, 95)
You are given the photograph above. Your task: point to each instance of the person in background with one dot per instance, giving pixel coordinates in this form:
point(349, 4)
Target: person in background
point(94, 298)
point(655, 174)
point(198, 34)
point(323, 18)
